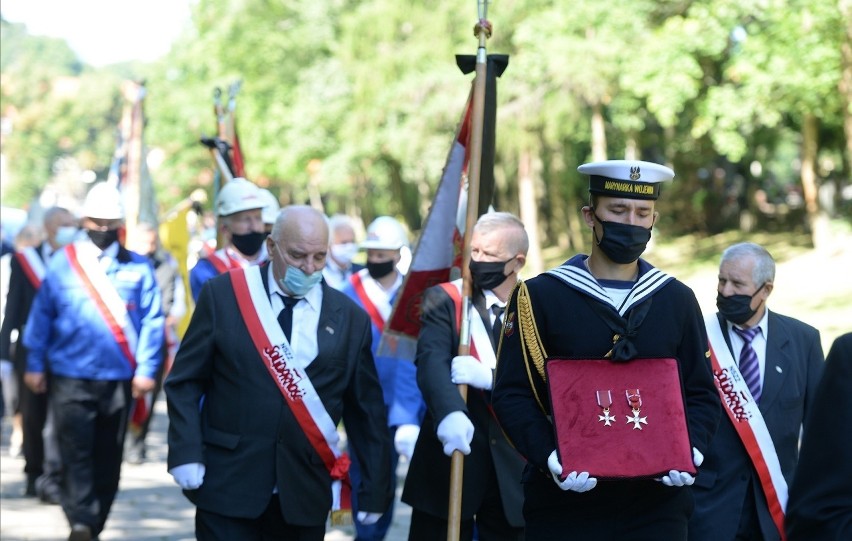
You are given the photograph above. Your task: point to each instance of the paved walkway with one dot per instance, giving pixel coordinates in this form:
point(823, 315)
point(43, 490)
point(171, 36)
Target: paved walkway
point(149, 506)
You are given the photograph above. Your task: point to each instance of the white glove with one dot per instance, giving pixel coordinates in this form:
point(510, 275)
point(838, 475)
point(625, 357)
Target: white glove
point(678, 478)
point(366, 518)
point(188, 476)
point(697, 457)
point(467, 370)
point(405, 439)
point(456, 432)
point(6, 369)
point(578, 482)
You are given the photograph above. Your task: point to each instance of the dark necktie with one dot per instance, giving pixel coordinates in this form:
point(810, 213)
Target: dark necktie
point(497, 327)
point(285, 316)
point(748, 361)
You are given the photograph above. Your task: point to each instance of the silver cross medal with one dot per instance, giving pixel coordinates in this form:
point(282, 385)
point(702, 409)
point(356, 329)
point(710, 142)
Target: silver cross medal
point(635, 402)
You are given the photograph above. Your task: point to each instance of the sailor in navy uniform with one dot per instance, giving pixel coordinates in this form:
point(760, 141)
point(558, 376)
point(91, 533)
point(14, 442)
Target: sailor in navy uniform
point(611, 304)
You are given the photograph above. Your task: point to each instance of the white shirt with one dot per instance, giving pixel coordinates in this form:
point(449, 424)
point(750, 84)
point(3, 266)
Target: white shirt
point(303, 340)
point(490, 300)
point(758, 343)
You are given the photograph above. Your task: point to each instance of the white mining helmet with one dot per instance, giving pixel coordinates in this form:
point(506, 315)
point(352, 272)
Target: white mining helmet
point(385, 233)
point(238, 195)
point(270, 206)
point(103, 202)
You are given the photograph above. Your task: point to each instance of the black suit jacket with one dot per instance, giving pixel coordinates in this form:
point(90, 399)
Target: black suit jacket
point(820, 506)
point(18, 303)
point(226, 412)
point(794, 363)
point(428, 480)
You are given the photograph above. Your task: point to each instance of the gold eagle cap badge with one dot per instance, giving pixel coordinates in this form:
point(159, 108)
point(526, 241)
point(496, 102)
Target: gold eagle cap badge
point(635, 174)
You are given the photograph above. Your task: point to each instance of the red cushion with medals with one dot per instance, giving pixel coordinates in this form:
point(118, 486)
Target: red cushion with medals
point(619, 419)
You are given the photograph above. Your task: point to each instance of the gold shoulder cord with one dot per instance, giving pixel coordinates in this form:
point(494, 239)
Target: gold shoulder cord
point(531, 344)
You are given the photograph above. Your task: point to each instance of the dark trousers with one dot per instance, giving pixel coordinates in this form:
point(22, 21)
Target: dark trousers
point(91, 420)
point(489, 522)
point(377, 531)
point(33, 408)
point(269, 526)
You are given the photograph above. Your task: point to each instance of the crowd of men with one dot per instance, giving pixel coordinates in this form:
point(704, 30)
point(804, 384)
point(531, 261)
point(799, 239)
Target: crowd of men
point(520, 378)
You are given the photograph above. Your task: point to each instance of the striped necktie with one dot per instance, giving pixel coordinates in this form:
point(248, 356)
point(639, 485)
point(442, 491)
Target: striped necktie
point(749, 366)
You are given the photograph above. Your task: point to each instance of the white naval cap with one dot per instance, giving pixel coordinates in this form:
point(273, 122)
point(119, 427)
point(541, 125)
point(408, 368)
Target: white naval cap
point(633, 179)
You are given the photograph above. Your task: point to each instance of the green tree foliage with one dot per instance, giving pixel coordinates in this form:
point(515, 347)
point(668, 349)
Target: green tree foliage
point(354, 103)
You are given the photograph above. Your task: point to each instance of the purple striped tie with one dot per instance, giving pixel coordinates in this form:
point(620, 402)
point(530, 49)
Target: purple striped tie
point(748, 361)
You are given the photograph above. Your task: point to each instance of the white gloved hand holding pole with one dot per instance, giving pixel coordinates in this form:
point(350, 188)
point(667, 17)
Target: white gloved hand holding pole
point(188, 476)
point(405, 439)
point(574, 481)
point(455, 432)
point(467, 370)
point(678, 478)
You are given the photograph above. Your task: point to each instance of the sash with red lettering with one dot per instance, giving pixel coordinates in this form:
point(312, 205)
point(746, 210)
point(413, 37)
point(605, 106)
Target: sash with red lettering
point(295, 386)
point(32, 265)
point(114, 312)
point(745, 415)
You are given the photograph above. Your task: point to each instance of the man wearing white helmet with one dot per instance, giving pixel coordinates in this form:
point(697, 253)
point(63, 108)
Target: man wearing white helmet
point(271, 206)
point(374, 289)
point(96, 326)
point(239, 206)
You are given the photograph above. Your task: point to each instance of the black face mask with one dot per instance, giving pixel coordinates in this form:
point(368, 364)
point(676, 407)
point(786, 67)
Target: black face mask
point(488, 274)
point(737, 308)
point(248, 244)
point(102, 239)
point(380, 270)
point(622, 243)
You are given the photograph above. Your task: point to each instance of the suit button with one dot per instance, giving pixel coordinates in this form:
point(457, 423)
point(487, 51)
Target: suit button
point(493, 441)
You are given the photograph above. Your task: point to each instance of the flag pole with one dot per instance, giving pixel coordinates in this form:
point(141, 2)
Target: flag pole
point(482, 30)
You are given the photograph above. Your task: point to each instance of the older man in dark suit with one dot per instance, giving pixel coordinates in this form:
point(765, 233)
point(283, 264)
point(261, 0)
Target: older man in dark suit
point(768, 367)
point(254, 403)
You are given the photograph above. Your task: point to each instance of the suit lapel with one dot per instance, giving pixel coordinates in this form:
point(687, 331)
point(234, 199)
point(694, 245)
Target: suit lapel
point(778, 361)
point(330, 326)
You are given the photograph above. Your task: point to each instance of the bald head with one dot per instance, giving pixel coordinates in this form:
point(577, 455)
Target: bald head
point(299, 240)
point(300, 223)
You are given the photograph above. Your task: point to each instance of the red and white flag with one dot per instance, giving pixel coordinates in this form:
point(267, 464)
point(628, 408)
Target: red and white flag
point(437, 257)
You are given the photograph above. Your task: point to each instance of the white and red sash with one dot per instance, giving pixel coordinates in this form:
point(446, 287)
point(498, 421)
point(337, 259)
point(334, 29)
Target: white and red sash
point(295, 385)
point(223, 262)
point(745, 415)
point(480, 341)
point(367, 290)
point(112, 309)
point(32, 265)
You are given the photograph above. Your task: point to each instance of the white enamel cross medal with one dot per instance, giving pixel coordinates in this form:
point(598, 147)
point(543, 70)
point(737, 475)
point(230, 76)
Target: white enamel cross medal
point(605, 401)
point(635, 401)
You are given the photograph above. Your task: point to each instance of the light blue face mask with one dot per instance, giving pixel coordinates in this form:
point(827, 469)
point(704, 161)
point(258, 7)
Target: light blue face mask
point(65, 235)
point(297, 282)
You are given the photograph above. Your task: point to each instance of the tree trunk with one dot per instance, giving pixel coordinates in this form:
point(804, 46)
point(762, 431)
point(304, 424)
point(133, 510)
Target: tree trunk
point(598, 133)
point(845, 85)
point(810, 143)
point(529, 212)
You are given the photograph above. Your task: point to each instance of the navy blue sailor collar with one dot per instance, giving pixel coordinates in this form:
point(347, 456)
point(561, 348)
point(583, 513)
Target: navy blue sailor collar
point(575, 275)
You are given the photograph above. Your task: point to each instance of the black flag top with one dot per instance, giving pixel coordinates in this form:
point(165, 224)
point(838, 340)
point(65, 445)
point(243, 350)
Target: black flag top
point(497, 64)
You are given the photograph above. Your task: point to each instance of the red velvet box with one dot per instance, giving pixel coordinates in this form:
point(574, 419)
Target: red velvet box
point(654, 440)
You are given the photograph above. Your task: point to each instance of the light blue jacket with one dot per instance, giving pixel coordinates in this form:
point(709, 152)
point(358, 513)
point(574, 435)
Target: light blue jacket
point(398, 377)
point(67, 335)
